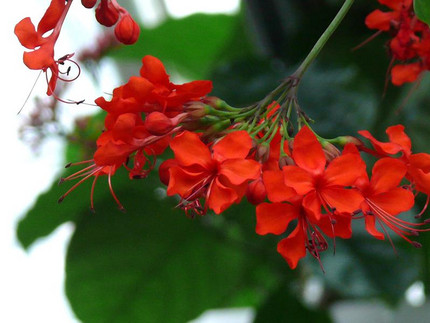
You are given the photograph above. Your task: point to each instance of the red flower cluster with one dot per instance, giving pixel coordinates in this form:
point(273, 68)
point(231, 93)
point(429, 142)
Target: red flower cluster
point(329, 193)
point(141, 118)
point(410, 43)
point(222, 154)
point(42, 57)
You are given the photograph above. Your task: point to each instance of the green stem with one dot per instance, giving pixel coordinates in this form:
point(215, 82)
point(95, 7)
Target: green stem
point(323, 39)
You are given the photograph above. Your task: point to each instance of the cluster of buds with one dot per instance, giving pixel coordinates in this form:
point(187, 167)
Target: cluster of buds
point(42, 40)
point(109, 13)
point(410, 42)
point(223, 154)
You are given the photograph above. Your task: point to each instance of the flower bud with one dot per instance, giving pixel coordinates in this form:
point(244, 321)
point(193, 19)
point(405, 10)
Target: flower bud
point(256, 192)
point(214, 102)
point(158, 123)
point(196, 110)
point(88, 3)
point(263, 152)
point(286, 161)
point(330, 151)
point(350, 140)
point(127, 30)
point(106, 14)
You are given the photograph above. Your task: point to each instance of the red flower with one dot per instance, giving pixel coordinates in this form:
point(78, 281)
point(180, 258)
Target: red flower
point(410, 39)
point(384, 199)
point(219, 175)
point(308, 235)
point(323, 186)
point(42, 56)
point(153, 91)
point(418, 165)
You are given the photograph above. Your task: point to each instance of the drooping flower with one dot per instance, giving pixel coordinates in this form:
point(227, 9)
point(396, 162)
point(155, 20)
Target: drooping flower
point(220, 175)
point(42, 56)
point(323, 186)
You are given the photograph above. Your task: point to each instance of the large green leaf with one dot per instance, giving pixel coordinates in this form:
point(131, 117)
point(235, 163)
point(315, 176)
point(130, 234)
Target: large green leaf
point(283, 306)
point(153, 264)
point(422, 10)
point(191, 45)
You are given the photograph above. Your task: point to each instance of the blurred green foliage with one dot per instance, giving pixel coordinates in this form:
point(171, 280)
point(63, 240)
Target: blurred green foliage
point(152, 264)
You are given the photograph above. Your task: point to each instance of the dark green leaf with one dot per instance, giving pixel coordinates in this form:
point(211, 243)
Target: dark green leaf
point(283, 306)
point(153, 264)
point(422, 10)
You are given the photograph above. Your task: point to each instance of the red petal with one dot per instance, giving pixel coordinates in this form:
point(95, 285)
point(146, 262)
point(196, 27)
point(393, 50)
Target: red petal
point(189, 150)
point(41, 58)
point(293, 248)
point(312, 205)
point(380, 20)
point(387, 173)
point(344, 170)
point(405, 73)
point(183, 182)
point(236, 144)
point(112, 154)
point(381, 147)
point(27, 35)
point(238, 171)
point(307, 152)
point(300, 180)
point(138, 88)
point(274, 218)
point(395, 201)
point(221, 197)
point(153, 69)
point(342, 199)
point(397, 135)
point(195, 89)
point(370, 223)
point(276, 189)
point(419, 171)
point(341, 227)
point(51, 16)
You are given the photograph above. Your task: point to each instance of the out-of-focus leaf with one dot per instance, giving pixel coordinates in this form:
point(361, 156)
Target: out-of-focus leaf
point(46, 214)
point(153, 264)
point(422, 10)
point(191, 44)
point(283, 306)
point(365, 267)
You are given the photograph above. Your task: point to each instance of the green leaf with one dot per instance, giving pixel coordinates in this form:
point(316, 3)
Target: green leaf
point(47, 214)
point(191, 45)
point(283, 306)
point(422, 10)
point(153, 264)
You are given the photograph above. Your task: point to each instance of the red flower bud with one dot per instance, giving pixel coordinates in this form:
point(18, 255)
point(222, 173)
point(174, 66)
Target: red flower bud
point(88, 3)
point(127, 30)
point(330, 151)
point(106, 14)
point(263, 152)
point(256, 192)
point(158, 124)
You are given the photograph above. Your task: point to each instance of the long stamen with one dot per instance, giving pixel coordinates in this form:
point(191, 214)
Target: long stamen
point(121, 207)
point(79, 183)
point(93, 185)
